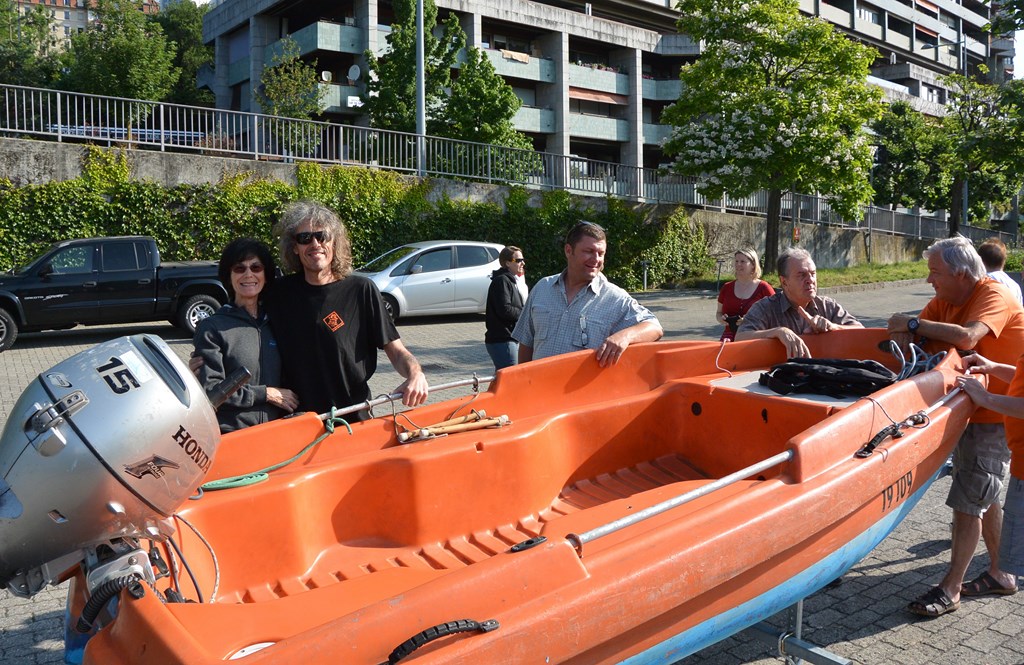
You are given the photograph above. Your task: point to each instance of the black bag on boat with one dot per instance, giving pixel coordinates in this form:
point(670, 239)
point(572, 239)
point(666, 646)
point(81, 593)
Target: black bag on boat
point(834, 377)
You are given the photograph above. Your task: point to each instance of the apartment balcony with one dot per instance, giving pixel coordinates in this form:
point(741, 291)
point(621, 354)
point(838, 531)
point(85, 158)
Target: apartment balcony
point(598, 127)
point(868, 28)
point(836, 15)
point(340, 98)
point(666, 91)
point(656, 134)
point(533, 69)
point(581, 76)
point(534, 120)
point(898, 40)
point(676, 44)
point(331, 37)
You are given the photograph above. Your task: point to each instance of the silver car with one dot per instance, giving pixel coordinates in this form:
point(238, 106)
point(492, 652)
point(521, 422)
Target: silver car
point(434, 277)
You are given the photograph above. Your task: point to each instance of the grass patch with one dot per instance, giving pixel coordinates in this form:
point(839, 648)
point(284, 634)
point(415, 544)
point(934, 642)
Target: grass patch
point(865, 273)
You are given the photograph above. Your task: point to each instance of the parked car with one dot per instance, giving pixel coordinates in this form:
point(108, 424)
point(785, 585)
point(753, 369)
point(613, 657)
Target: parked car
point(434, 277)
point(98, 281)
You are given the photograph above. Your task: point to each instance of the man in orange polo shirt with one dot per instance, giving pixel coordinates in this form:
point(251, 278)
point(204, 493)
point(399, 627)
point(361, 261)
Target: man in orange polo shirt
point(971, 312)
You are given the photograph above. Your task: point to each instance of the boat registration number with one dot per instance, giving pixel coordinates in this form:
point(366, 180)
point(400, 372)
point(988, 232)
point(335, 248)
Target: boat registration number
point(898, 491)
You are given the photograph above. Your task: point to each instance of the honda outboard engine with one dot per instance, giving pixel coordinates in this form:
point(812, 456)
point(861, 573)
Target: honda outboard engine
point(99, 451)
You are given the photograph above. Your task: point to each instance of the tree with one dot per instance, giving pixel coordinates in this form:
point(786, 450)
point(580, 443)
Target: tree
point(984, 124)
point(291, 89)
point(182, 22)
point(122, 54)
point(27, 45)
point(909, 160)
point(776, 101)
point(390, 98)
point(481, 105)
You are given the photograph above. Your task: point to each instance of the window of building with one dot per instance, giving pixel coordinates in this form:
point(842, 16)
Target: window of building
point(67, 16)
point(931, 94)
point(869, 14)
point(505, 42)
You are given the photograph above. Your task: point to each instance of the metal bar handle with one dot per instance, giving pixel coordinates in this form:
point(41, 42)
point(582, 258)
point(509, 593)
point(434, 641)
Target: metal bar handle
point(579, 540)
point(394, 397)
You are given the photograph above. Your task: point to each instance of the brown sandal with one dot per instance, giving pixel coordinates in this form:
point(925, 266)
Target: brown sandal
point(934, 603)
point(986, 585)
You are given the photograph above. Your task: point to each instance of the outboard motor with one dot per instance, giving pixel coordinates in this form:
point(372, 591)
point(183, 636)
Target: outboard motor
point(98, 452)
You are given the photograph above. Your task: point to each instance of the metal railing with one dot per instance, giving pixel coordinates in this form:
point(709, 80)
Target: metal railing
point(77, 117)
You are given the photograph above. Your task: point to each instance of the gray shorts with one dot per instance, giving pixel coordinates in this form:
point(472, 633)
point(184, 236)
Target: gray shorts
point(1011, 542)
point(980, 462)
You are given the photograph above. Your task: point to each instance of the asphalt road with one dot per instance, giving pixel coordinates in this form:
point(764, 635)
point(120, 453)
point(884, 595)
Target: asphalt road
point(862, 619)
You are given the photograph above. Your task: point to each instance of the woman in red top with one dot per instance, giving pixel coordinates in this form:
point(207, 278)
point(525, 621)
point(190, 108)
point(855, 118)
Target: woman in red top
point(737, 296)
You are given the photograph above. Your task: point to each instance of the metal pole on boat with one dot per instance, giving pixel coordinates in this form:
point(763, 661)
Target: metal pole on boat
point(578, 540)
point(394, 397)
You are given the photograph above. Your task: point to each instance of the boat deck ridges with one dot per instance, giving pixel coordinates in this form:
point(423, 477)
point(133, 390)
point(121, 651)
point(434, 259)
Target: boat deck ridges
point(468, 549)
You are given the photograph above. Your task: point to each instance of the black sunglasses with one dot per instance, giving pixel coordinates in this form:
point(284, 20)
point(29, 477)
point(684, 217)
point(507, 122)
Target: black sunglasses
point(306, 237)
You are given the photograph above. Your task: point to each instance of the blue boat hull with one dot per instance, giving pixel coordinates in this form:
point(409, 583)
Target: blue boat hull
point(783, 596)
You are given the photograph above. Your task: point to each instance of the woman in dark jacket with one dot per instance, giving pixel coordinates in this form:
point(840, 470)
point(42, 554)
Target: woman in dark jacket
point(505, 299)
point(239, 335)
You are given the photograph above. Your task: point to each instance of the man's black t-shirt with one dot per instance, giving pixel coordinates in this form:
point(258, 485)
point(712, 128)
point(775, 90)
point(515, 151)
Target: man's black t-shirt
point(329, 337)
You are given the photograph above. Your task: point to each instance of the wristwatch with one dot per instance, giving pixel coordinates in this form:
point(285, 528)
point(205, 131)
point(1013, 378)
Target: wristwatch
point(912, 326)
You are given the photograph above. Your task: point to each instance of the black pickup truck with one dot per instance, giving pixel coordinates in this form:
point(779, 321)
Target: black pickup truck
point(96, 281)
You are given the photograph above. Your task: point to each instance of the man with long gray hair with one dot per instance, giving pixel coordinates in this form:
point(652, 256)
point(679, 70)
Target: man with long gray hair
point(329, 323)
point(971, 312)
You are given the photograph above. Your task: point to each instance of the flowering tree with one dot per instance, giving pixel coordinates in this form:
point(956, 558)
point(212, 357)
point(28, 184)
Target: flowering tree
point(776, 101)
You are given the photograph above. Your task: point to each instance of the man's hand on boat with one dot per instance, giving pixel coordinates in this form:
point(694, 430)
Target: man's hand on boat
point(414, 389)
point(898, 332)
point(615, 344)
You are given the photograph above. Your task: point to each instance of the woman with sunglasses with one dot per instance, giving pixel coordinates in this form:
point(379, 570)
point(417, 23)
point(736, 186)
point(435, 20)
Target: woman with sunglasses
point(239, 335)
point(505, 299)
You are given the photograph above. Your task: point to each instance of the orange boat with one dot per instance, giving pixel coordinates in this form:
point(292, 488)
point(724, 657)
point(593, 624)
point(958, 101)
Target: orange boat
point(631, 514)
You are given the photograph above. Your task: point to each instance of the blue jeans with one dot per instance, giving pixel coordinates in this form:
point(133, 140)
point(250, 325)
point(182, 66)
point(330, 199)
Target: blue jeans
point(503, 354)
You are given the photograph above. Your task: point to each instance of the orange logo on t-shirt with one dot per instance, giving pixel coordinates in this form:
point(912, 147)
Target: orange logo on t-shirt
point(333, 321)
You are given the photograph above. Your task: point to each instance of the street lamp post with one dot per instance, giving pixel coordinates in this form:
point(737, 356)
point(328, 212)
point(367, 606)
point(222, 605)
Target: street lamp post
point(421, 112)
point(962, 43)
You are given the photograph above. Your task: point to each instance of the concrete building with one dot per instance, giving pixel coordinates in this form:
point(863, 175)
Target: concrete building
point(593, 76)
point(68, 17)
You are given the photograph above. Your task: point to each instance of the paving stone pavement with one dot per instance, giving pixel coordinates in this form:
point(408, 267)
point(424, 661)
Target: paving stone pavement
point(862, 619)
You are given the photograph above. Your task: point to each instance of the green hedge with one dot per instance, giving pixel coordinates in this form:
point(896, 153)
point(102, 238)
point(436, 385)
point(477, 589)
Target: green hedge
point(381, 209)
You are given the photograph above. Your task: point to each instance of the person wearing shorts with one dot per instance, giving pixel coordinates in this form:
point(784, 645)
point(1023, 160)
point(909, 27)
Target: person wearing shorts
point(971, 312)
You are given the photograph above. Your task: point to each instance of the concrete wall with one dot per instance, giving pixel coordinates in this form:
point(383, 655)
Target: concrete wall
point(830, 246)
point(38, 162)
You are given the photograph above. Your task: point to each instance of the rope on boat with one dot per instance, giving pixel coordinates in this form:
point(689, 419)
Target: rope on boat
point(920, 362)
point(259, 476)
point(578, 540)
point(917, 420)
point(331, 419)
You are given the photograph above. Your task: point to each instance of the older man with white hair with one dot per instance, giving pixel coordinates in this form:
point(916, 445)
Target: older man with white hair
point(971, 312)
